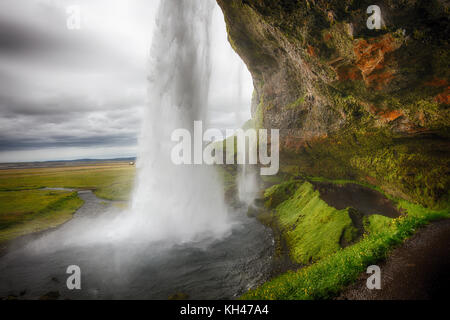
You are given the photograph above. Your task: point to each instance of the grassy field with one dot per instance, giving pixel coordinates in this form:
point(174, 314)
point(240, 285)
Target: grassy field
point(26, 208)
point(23, 212)
point(110, 181)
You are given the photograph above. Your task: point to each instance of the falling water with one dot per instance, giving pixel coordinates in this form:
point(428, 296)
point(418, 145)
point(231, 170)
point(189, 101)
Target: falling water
point(181, 203)
point(171, 204)
point(247, 180)
point(248, 184)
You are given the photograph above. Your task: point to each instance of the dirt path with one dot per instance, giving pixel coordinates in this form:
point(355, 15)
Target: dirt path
point(418, 270)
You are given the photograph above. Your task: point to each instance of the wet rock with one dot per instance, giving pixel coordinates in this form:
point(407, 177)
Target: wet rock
point(340, 92)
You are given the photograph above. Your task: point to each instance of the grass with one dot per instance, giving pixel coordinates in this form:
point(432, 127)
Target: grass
point(327, 277)
point(26, 208)
point(110, 181)
point(23, 212)
point(376, 223)
point(312, 229)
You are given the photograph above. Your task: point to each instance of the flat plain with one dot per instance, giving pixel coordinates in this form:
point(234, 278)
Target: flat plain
point(30, 201)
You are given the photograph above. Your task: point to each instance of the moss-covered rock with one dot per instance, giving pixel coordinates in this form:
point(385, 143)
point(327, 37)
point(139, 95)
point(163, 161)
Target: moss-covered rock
point(350, 102)
point(311, 228)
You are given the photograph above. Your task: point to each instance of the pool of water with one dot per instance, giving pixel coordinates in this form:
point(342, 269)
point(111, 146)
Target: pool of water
point(210, 269)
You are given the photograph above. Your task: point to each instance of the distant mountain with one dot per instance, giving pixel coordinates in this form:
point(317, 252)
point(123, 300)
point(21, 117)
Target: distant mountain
point(60, 163)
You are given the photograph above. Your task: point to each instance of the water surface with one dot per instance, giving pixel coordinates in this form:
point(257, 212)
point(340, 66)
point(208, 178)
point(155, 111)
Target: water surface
point(211, 269)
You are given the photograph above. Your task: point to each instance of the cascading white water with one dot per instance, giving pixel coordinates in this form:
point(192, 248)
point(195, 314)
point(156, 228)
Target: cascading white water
point(171, 204)
point(181, 203)
point(248, 187)
point(247, 180)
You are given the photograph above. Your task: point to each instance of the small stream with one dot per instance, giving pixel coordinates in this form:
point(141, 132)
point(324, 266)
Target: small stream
point(214, 269)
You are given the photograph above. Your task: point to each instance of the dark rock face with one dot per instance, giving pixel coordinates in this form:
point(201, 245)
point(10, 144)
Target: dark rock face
point(352, 102)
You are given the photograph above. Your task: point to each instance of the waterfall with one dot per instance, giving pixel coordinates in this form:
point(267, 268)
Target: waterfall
point(248, 184)
point(179, 203)
point(247, 180)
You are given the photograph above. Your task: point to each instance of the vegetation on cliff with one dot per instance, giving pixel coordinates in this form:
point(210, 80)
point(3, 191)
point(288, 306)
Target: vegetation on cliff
point(352, 103)
point(336, 266)
point(311, 228)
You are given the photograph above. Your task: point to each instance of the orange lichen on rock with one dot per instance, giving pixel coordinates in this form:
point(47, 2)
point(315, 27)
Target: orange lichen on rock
point(437, 83)
point(293, 144)
point(379, 80)
point(444, 97)
point(389, 116)
point(331, 16)
point(370, 56)
point(327, 36)
point(349, 72)
point(311, 51)
point(421, 117)
point(373, 109)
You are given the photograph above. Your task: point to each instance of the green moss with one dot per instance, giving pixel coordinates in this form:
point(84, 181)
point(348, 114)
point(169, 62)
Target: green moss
point(259, 115)
point(411, 168)
point(364, 144)
point(277, 194)
point(405, 158)
point(311, 228)
point(376, 223)
point(276, 179)
point(326, 278)
point(297, 103)
point(349, 235)
point(340, 41)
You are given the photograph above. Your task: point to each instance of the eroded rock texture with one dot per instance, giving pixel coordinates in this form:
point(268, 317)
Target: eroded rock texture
point(371, 105)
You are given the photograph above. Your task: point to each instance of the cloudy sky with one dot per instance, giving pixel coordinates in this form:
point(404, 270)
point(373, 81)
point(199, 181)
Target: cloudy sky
point(74, 94)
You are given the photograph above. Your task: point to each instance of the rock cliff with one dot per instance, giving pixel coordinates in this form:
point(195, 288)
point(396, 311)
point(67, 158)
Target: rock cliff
point(352, 102)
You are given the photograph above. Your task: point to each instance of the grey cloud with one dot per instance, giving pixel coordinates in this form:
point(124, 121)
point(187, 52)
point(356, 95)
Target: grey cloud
point(60, 88)
point(87, 89)
point(12, 144)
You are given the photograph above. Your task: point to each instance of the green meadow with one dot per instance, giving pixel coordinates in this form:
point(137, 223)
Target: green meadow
point(25, 207)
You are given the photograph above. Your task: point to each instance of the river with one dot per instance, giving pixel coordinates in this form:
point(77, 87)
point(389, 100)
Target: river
point(211, 269)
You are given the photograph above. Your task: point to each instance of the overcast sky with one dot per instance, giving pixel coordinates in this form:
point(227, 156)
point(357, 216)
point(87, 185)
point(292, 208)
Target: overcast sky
point(74, 94)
